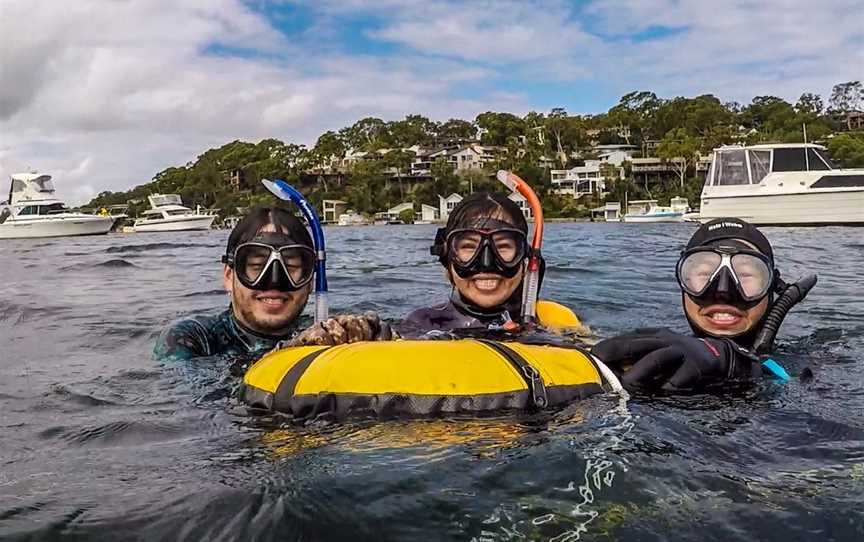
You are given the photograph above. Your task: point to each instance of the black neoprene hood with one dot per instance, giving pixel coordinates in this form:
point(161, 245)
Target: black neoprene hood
point(731, 228)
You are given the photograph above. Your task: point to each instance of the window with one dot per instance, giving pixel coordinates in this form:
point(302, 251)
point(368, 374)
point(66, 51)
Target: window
point(760, 165)
point(731, 169)
point(821, 154)
point(29, 210)
point(791, 159)
point(816, 163)
point(177, 212)
point(53, 209)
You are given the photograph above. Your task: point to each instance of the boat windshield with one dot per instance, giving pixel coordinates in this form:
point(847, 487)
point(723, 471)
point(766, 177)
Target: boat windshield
point(177, 212)
point(760, 165)
point(795, 159)
point(52, 209)
point(45, 184)
point(730, 168)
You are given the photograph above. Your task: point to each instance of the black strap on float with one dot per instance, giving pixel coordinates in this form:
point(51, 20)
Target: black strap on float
point(527, 371)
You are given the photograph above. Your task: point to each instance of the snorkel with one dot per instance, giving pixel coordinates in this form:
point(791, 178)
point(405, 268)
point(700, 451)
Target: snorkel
point(286, 192)
point(792, 295)
point(532, 276)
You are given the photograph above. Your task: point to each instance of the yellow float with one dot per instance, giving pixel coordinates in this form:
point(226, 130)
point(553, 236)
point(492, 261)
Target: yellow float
point(421, 378)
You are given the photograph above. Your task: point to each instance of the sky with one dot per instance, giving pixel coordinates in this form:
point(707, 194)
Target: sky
point(104, 94)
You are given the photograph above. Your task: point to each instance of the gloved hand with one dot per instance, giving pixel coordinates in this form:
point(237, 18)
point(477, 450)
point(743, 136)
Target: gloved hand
point(661, 359)
point(347, 328)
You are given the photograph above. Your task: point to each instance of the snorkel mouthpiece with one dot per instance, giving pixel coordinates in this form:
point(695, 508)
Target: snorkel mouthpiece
point(286, 192)
point(532, 277)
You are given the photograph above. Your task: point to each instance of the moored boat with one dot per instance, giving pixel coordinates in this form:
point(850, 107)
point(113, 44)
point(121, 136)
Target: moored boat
point(168, 214)
point(782, 184)
point(34, 211)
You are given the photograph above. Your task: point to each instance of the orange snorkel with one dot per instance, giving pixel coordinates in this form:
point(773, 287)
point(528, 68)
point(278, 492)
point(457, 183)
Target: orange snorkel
point(532, 276)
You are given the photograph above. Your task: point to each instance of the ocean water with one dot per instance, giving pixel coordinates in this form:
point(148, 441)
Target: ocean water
point(99, 442)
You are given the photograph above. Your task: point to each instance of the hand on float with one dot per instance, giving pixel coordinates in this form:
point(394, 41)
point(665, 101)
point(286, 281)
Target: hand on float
point(347, 328)
point(660, 359)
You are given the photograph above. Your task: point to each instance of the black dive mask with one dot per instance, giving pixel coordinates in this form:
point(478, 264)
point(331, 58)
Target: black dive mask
point(725, 272)
point(272, 261)
point(472, 251)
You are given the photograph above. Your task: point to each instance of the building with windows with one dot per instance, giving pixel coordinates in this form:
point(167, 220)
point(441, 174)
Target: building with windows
point(331, 209)
point(446, 205)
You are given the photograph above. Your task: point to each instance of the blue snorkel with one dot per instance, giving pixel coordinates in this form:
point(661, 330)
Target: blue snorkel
point(286, 192)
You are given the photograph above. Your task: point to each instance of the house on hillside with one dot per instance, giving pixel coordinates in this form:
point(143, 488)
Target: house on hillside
point(392, 214)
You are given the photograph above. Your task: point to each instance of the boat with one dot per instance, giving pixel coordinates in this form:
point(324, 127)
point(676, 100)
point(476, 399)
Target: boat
point(352, 218)
point(782, 184)
point(647, 210)
point(167, 213)
point(34, 211)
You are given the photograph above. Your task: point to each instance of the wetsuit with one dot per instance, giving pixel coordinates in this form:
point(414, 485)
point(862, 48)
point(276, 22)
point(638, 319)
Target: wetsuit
point(456, 314)
point(221, 334)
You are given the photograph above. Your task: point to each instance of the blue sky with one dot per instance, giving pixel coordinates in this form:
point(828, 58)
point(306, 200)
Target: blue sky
point(108, 93)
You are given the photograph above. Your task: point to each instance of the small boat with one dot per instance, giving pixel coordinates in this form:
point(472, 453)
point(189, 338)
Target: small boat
point(352, 218)
point(33, 211)
point(167, 213)
point(640, 211)
point(782, 184)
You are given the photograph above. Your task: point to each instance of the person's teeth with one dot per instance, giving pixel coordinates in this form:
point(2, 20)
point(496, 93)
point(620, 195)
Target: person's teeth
point(723, 316)
point(486, 284)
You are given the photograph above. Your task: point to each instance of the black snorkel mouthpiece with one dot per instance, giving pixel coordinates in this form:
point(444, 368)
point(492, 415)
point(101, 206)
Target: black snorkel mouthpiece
point(791, 296)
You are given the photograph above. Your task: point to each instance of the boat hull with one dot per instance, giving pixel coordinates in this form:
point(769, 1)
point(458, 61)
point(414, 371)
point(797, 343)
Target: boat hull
point(844, 207)
point(202, 222)
point(55, 227)
point(667, 217)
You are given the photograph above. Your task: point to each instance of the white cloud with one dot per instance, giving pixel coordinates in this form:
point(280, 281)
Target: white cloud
point(104, 94)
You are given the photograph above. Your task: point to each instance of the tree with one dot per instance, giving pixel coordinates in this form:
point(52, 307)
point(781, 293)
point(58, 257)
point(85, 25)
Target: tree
point(400, 160)
point(499, 128)
point(562, 127)
point(366, 134)
point(847, 149)
point(846, 97)
point(680, 150)
point(456, 129)
point(414, 130)
point(809, 104)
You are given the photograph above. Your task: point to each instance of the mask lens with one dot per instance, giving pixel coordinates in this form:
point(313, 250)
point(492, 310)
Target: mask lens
point(299, 262)
point(753, 274)
point(508, 245)
point(251, 260)
point(464, 245)
point(697, 269)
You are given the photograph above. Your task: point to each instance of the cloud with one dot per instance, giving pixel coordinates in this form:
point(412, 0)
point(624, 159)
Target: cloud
point(104, 94)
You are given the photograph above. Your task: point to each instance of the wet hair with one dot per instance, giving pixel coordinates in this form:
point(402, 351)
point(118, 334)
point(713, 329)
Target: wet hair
point(282, 219)
point(474, 210)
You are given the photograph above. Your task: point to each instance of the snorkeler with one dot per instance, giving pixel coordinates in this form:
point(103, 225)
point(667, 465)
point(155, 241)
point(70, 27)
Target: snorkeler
point(728, 283)
point(269, 265)
point(485, 252)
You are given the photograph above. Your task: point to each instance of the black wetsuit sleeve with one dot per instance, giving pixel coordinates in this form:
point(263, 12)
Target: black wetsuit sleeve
point(182, 339)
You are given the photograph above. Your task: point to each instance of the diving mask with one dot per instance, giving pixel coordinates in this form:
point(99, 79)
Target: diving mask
point(709, 272)
point(474, 251)
point(272, 262)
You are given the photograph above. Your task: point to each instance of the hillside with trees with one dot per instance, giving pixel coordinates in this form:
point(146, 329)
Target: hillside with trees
point(375, 164)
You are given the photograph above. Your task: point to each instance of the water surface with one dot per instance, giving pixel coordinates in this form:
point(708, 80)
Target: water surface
point(99, 442)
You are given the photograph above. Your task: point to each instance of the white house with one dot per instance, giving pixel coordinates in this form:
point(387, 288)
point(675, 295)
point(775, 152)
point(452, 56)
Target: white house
point(331, 209)
point(427, 214)
point(393, 212)
point(520, 200)
point(446, 205)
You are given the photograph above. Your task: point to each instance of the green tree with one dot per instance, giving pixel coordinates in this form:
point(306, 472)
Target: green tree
point(456, 129)
point(413, 130)
point(847, 149)
point(400, 161)
point(809, 104)
point(499, 128)
point(680, 150)
point(846, 97)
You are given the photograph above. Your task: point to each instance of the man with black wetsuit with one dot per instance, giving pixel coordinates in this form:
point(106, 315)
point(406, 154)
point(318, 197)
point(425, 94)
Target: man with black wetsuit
point(268, 270)
point(728, 284)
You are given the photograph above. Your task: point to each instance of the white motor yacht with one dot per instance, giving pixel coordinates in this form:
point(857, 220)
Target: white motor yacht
point(648, 211)
point(782, 184)
point(33, 211)
point(167, 213)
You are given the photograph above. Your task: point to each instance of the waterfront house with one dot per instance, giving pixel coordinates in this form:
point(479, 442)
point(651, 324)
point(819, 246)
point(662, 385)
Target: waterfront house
point(428, 214)
point(520, 200)
point(446, 205)
point(331, 209)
